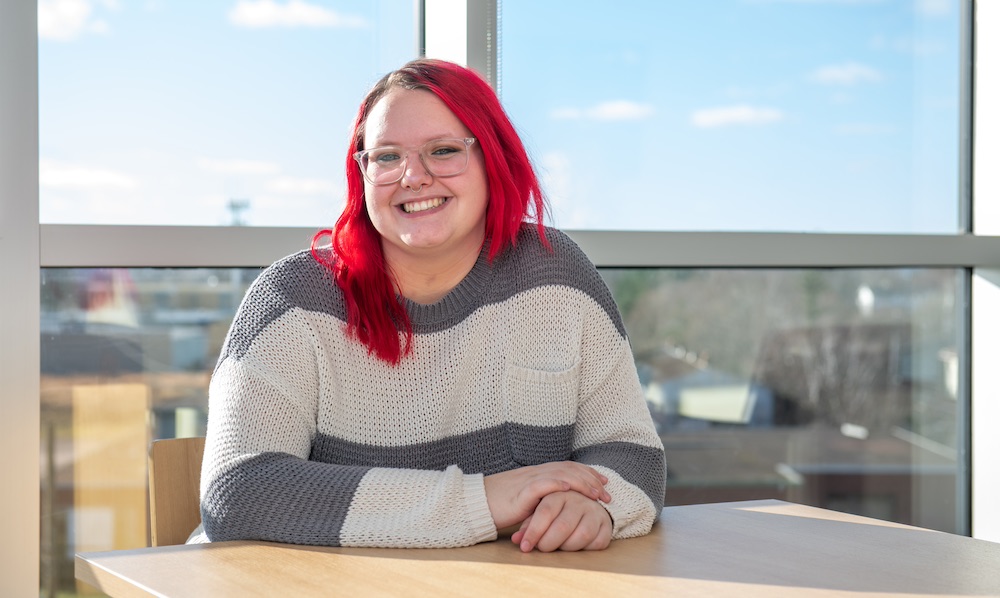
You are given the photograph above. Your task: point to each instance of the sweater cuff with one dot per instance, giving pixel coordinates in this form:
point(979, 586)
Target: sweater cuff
point(477, 509)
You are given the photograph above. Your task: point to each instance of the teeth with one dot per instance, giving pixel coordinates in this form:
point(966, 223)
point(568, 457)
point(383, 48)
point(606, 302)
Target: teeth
point(420, 206)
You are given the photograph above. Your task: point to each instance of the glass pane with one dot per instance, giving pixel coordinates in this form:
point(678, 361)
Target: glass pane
point(206, 113)
point(126, 359)
point(833, 388)
point(763, 115)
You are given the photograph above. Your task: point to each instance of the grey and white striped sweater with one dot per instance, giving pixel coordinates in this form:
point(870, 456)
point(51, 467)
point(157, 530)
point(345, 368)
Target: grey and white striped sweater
point(313, 441)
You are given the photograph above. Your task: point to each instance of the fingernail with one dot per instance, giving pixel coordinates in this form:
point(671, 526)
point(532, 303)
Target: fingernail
point(525, 546)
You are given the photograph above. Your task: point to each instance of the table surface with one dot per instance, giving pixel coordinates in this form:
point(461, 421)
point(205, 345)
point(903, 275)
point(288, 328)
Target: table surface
point(754, 548)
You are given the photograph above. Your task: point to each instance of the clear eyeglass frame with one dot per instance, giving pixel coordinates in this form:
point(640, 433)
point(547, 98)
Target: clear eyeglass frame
point(438, 165)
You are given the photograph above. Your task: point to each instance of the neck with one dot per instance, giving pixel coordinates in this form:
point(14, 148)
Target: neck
point(426, 279)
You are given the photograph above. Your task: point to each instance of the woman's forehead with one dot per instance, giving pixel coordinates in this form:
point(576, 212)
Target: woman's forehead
point(409, 117)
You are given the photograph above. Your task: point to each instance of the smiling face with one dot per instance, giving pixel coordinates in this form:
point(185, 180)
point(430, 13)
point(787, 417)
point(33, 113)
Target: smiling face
point(422, 215)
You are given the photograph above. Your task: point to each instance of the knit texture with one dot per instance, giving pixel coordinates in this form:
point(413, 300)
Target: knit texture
point(311, 440)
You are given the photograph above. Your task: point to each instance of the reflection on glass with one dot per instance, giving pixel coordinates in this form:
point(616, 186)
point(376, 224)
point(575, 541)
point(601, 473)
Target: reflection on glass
point(835, 388)
point(126, 357)
point(740, 114)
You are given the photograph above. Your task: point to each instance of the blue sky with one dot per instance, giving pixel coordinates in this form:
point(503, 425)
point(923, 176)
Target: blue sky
point(161, 112)
point(787, 115)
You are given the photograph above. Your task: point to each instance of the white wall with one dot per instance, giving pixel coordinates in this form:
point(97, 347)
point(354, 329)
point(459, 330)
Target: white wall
point(19, 299)
point(986, 282)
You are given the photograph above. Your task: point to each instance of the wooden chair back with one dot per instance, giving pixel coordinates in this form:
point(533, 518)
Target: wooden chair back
point(174, 494)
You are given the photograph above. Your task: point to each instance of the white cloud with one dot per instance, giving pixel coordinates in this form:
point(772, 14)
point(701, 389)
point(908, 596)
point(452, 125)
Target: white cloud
point(300, 186)
point(60, 175)
point(66, 20)
point(934, 8)
point(237, 166)
point(850, 73)
point(735, 115)
point(258, 14)
point(612, 110)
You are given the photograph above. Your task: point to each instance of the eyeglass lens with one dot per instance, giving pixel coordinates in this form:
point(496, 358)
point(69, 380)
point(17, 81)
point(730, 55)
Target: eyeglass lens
point(441, 157)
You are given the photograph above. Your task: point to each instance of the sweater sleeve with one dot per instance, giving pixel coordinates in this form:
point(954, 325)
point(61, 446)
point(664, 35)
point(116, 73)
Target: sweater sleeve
point(614, 431)
point(257, 479)
point(615, 435)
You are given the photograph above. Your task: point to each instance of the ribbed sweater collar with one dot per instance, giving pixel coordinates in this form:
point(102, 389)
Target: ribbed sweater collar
point(460, 301)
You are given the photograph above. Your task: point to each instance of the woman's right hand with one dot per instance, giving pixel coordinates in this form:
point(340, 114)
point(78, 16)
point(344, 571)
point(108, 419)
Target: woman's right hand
point(513, 495)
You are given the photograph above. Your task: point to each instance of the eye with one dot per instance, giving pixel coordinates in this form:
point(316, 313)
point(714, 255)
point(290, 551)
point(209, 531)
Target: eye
point(445, 151)
point(386, 157)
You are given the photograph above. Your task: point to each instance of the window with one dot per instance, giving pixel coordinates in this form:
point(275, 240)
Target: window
point(762, 115)
point(953, 258)
point(126, 356)
point(836, 388)
point(206, 113)
point(162, 113)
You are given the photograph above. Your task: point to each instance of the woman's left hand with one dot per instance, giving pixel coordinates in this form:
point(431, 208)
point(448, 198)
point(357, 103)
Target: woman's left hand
point(565, 521)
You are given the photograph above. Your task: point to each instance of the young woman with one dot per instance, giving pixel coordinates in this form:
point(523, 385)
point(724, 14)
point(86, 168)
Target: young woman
point(437, 368)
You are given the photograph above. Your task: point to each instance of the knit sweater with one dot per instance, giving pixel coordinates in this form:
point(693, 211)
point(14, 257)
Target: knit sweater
point(312, 440)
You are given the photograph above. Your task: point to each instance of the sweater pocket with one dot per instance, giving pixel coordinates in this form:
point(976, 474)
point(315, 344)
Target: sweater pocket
point(541, 411)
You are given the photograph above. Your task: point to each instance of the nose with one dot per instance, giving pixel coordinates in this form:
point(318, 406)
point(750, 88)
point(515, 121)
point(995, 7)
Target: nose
point(415, 174)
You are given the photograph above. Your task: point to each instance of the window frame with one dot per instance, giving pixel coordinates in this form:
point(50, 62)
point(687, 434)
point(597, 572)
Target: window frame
point(20, 304)
point(25, 246)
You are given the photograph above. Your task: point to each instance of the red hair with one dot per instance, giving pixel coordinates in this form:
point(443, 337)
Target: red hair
point(375, 312)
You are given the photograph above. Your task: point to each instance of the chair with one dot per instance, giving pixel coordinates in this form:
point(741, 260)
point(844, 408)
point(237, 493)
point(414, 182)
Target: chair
point(174, 496)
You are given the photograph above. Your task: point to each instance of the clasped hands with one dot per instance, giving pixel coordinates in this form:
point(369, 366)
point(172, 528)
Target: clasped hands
point(555, 504)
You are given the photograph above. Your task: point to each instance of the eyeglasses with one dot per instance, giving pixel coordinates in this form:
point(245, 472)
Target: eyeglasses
point(440, 157)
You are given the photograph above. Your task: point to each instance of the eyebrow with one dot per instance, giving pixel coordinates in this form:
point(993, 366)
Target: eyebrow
point(382, 143)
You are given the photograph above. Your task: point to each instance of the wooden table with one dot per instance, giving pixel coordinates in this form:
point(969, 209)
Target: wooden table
point(755, 548)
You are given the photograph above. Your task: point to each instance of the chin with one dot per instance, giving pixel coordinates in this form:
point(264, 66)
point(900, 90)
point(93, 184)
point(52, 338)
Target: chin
point(422, 243)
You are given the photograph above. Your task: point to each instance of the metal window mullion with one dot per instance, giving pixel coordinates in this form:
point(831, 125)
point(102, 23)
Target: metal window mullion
point(19, 300)
point(192, 246)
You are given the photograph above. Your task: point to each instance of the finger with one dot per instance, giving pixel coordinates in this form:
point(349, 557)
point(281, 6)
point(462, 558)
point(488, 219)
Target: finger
point(603, 538)
point(519, 534)
point(593, 532)
point(576, 474)
point(599, 492)
point(546, 512)
point(585, 480)
point(562, 528)
point(600, 480)
point(586, 530)
point(600, 476)
point(591, 491)
point(536, 490)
